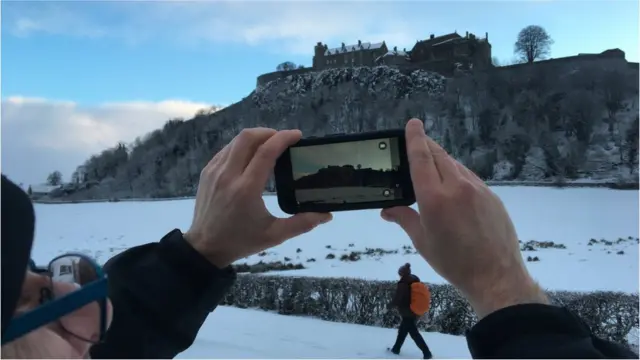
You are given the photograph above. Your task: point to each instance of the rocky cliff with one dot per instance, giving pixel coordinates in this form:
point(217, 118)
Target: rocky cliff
point(565, 122)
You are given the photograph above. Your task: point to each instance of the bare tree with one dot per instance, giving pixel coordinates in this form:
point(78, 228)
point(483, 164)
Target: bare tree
point(534, 43)
point(286, 66)
point(55, 178)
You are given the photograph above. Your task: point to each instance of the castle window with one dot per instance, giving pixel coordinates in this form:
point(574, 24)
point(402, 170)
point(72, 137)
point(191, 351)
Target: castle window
point(328, 61)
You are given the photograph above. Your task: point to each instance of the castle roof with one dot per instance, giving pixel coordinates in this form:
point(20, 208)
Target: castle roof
point(355, 47)
point(394, 52)
point(442, 39)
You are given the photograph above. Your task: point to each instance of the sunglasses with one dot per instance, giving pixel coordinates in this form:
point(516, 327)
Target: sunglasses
point(72, 268)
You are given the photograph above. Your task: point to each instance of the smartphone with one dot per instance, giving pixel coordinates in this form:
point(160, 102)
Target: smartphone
point(345, 172)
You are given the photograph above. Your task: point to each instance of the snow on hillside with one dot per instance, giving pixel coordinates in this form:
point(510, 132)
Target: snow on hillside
point(571, 217)
point(226, 334)
point(383, 81)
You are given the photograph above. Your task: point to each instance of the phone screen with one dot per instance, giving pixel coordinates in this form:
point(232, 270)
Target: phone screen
point(347, 172)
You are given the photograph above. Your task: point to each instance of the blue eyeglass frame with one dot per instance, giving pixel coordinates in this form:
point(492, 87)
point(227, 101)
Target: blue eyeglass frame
point(59, 307)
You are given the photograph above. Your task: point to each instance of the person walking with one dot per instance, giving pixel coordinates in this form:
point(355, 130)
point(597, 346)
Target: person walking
point(412, 299)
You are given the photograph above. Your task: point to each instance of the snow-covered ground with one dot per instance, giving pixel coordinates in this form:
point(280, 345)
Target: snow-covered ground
point(571, 217)
point(231, 333)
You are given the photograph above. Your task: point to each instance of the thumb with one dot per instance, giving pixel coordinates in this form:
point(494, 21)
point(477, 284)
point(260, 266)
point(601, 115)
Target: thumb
point(407, 218)
point(284, 229)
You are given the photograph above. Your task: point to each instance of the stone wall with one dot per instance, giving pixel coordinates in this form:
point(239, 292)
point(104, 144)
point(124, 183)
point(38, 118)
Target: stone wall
point(610, 59)
point(265, 78)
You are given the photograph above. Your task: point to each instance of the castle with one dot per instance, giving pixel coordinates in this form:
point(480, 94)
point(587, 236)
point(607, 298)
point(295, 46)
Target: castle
point(444, 54)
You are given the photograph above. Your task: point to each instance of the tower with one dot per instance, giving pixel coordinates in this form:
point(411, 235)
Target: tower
point(318, 57)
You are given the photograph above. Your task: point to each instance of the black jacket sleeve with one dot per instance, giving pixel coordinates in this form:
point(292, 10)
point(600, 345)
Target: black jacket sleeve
point(161, 295)
point(536, 331)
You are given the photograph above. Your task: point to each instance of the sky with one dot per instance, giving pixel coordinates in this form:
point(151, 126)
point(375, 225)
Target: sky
point(368, 154)
point(79, 76)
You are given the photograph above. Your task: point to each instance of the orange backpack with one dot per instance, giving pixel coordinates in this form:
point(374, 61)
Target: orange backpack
point(420, 298)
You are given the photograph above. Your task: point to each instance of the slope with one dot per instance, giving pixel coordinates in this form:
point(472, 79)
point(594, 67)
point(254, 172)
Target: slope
point(567, 121)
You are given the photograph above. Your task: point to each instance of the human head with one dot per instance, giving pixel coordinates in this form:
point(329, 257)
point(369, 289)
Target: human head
point(404, 270)
point(29, 293)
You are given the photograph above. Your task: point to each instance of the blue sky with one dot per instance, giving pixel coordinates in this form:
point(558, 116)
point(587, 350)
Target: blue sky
point(154, 60)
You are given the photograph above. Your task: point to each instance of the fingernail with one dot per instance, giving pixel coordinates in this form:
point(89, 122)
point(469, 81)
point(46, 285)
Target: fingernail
point(386, 216)
point(325, 219)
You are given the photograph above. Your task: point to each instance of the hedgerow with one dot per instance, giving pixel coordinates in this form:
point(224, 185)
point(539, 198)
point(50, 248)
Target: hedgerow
point(610, 315)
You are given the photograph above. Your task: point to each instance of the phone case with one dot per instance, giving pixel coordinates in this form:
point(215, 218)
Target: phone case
point(284, 176)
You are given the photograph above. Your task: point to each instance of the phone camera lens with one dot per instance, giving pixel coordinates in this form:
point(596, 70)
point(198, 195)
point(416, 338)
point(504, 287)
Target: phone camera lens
point(382, 145)
point(386, 192)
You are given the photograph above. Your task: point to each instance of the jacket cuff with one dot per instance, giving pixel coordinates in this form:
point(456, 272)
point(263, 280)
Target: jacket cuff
point(501, 327)
point(206, 279)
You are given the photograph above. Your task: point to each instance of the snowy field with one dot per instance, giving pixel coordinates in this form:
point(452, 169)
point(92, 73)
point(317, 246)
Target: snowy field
point(227, 334)
point(571, 217)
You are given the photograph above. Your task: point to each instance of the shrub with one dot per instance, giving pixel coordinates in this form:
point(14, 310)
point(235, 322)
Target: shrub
point(610, 315)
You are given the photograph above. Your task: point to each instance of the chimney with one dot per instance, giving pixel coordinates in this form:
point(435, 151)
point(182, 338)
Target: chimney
point(431, 36)
point(405, 49)
point(359, 43)
point(343, 45)
point(466, 35)
point(486, 35)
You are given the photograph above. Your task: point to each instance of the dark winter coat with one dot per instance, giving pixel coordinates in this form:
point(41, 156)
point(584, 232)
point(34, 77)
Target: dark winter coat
point(161, 294)
point(402, 298)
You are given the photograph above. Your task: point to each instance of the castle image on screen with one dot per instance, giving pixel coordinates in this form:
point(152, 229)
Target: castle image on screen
point(349, 172)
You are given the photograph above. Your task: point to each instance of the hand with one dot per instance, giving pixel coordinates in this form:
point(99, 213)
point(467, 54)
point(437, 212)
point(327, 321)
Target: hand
point(463, 229)
point(231, 220)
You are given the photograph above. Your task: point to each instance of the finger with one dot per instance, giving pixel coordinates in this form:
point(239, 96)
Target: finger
point(444, 163)
point(264, 159)
point(284, 229)
point(407, 218)
point(424, 173)
point(245, 146)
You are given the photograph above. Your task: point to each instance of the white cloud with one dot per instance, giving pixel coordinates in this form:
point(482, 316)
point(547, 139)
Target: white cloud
point(40, 135)
point(292, 27)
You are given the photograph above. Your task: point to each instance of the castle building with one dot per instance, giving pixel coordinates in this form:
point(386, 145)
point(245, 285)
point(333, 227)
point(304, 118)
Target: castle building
point(446, 52)
point(360, 54)
point(394, 57)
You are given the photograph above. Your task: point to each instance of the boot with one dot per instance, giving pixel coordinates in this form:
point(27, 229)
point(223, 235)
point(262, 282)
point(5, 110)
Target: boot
point(394, 351)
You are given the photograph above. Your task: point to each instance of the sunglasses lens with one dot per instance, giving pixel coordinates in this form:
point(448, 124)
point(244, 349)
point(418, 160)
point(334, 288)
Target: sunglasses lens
point(69, 274)
point(74, 270)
